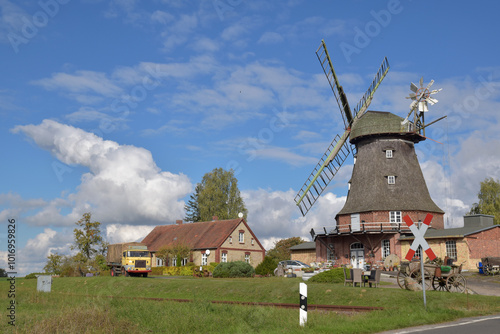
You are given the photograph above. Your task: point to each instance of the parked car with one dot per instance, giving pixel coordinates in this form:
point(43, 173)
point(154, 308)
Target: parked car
point(291, 264)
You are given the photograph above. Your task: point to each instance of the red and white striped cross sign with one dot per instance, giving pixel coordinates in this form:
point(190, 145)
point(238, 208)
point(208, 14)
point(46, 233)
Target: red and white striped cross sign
point(419, 237)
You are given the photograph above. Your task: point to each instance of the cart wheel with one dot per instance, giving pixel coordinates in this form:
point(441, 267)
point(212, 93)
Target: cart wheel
point(401, 279)
point(439, 284)
point(456, 283)
point(417, 276)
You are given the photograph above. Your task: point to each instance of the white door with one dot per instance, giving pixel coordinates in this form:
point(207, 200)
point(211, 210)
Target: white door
point(357, 255)
point(355, 226)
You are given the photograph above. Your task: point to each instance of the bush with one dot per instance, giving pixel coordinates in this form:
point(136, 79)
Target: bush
point(34, 275)
point(267, 266)
point(157, 271)
point(233, 269)
point(335, 275)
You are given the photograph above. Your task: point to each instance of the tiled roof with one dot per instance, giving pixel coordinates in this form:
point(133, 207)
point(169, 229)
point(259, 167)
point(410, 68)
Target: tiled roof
point(304, 246)
point(458, 232)
point(200, 235)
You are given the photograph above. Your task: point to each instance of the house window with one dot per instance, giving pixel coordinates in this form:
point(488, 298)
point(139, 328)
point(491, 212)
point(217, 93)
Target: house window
point(204, 258)
point(252, 241)
point(451, 249)
point(388, 154)
point(174, 261)
point(230, 239)
point(242, 237)
point(184, 261)
point(386, 248)
point(223, 257)
point(159, 262)
point(395, 217)
point(391, 179)
point(247, 257)
point(418, 253)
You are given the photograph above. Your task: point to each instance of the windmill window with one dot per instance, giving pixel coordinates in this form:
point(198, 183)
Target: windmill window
point(391, 179)
point(386, 248)
point(388, 154)
point(395, 217)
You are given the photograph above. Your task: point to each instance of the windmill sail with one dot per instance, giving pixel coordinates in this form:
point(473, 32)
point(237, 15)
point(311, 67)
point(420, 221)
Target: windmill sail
point(338, 151)
point(338, 91)
point(323, 173)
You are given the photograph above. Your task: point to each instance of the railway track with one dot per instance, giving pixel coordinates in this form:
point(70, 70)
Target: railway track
point(310, 307)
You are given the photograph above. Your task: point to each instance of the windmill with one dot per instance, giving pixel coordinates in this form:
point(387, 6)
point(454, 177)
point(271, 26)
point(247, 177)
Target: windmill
point(338, 150)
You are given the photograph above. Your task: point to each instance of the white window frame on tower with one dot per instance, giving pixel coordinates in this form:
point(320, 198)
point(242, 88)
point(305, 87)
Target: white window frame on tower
point(391, 179)
point(388, 154)
point(395, 217)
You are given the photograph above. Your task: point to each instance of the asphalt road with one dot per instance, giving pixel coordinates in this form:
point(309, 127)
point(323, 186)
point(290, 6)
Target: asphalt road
point(476, 283)
point(486, 325)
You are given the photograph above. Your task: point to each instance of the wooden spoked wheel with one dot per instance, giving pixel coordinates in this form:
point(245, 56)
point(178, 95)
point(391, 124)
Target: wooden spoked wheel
point(439, 284)
point(456, 283)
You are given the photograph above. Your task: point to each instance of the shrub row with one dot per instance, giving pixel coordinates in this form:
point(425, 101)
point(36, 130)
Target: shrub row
point(335, 275)
point(233, 269)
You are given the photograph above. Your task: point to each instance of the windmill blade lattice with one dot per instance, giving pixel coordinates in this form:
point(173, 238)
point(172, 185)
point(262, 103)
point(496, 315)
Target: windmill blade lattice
point(323, 173)
point(338, 91)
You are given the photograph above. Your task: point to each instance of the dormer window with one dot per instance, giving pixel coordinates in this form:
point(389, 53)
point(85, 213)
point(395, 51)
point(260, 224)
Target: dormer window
point(391, 179)
point(388, 154)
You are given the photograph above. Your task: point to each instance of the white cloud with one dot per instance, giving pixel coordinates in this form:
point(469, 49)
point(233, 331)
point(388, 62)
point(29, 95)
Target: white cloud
point(273, 215)
point(270, 37)
point(33, 256)
point(117, 233)
point(123, 184)
point(81, 82)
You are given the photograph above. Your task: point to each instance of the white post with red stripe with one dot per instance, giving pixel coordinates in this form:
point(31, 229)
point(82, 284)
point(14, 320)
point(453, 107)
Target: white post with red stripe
point(419, 241)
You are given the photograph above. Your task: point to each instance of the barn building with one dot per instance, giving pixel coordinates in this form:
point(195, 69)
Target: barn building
point(226, 240)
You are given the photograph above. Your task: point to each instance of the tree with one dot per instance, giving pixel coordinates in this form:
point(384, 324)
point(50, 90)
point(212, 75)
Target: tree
point(281, 250)
point(54, 264)
point(217, 195)
point(3, 273)
point(489, 199)
point(179, 251)
point(192, 210)
point(88, 240)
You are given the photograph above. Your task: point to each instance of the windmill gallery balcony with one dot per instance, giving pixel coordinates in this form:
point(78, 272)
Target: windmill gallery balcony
point(362, 228)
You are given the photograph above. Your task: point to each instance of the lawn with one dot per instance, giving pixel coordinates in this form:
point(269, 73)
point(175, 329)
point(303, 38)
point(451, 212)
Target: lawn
point(103, 305)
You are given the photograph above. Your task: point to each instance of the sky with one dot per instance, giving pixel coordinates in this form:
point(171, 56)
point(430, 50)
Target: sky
point(119, 108)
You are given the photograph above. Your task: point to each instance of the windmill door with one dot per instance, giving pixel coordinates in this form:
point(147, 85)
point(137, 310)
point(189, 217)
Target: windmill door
point(357, 255)
point(355, 226)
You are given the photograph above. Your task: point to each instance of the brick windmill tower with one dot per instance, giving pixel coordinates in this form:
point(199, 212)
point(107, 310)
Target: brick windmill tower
point(386, 184)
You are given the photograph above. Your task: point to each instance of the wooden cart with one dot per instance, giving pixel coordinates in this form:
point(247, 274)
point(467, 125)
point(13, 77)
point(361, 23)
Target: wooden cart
point(491, 265)
point(436, 276)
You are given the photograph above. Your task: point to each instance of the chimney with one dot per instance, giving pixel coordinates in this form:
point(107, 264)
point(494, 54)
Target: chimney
point(215, 218)
point(178, 222)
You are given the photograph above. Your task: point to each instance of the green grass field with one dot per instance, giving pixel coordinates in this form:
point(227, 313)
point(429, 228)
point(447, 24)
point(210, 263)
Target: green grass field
point(89, 305)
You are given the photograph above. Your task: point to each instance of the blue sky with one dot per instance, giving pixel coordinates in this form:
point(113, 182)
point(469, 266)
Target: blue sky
point(120, 107)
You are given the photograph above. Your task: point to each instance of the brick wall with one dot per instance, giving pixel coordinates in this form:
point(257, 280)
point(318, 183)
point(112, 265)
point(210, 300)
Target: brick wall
point(307, 256)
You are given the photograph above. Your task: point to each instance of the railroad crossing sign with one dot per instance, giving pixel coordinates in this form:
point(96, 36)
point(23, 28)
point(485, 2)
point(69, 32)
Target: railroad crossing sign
point(419, 237)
